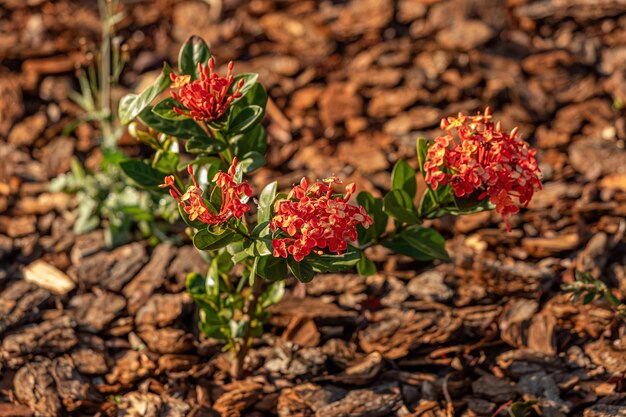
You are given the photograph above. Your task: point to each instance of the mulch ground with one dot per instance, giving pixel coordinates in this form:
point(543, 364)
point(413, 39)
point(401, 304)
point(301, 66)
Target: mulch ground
point(352, 85)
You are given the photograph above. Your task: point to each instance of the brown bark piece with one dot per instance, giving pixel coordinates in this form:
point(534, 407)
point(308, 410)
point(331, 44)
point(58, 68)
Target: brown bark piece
point(149, 278)
point(34, 386)
point(112, 270)
point(20, 302)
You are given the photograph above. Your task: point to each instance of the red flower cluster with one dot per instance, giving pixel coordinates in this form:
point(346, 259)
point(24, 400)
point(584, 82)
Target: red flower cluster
point(195, 206)
point(475, 155)
point(205, 99)
point(313, 218)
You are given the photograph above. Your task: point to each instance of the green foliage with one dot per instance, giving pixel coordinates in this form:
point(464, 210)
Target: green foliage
point(419, 243)
point(233, 309)
point(403, 178)
point(588, 288)
point(142, 173)
point(193, 51)
point(521, 408)
point(108, 199)
point(399, 205)
point(132, 105)
point(373, 206)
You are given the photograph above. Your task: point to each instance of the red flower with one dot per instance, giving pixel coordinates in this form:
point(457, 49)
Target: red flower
point(475, 155)
point(205, 99)
point(197, 209)
point(314, 219)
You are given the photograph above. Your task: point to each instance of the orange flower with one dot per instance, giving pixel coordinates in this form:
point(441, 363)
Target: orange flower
point(475, 155)
point(314, 219)
point(194, 205)
point(207, 98)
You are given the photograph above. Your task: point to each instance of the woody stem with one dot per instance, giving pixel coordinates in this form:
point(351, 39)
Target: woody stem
point(242, 346)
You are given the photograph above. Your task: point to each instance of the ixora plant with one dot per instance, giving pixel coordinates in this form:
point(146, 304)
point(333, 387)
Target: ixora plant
point(255, 243)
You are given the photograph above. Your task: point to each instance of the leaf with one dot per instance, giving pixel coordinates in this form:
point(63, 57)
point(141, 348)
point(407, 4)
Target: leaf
point(253, 140)
point(165, 109)
point(422, 152)
point(249, 79)
point(251, 162)
point(166, 162)
point(204, 144)
point(374, 207)
point(429, 207)
point(470, 206)
point(272, 268)
point(301, 270)
point(133, 104)
point(273, 294)
point(521, 408)
point(403, 178)
point(205, 240)
point(196, 284)
point(184, 129)
point(256, 96)
point(399, 205)
point(246, 119)
point(419, 243)
point(266, 200)
point(589, 297)
point(142, 173)
point(334, 263)
point(193, 51)
point(365, 267)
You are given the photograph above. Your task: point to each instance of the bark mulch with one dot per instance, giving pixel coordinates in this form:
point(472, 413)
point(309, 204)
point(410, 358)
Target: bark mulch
point(85, 330)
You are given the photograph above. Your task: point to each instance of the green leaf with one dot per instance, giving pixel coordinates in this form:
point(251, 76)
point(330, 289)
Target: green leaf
point(399, 205)
point(210, 164)
point(470, 206)
point(254, 140)
point(257, 95)
point(204, 144)
point(301, 270)
point(238, 328)
point(246, 119)
point(374, 207)
point(184, 129)
point(142, 173)
point(131, 105)
point(165, 109)
point(272, 268)
point(403, 178)
point(266, 200)
point(422, 152)
point(193, 51)
point(205, 240)
point(166, 162)
point(365, 267)
point(521, 408)
point(196, 284)
point(251, 162)
point(334, 263)
point(421, 244)
point(429, 206)
point(249, 79)
point(589, 297)
point(273, 294)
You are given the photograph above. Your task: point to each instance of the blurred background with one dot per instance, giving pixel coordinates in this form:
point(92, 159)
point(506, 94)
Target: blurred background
point(352, 84)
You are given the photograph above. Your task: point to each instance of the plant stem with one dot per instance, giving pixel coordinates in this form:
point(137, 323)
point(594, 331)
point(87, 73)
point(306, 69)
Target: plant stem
point(242, 346)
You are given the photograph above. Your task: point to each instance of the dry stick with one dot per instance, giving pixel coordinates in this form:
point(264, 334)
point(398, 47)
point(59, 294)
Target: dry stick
point(243, 346)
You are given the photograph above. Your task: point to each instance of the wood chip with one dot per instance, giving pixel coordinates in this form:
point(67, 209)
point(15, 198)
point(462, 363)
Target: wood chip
point(47, 276)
